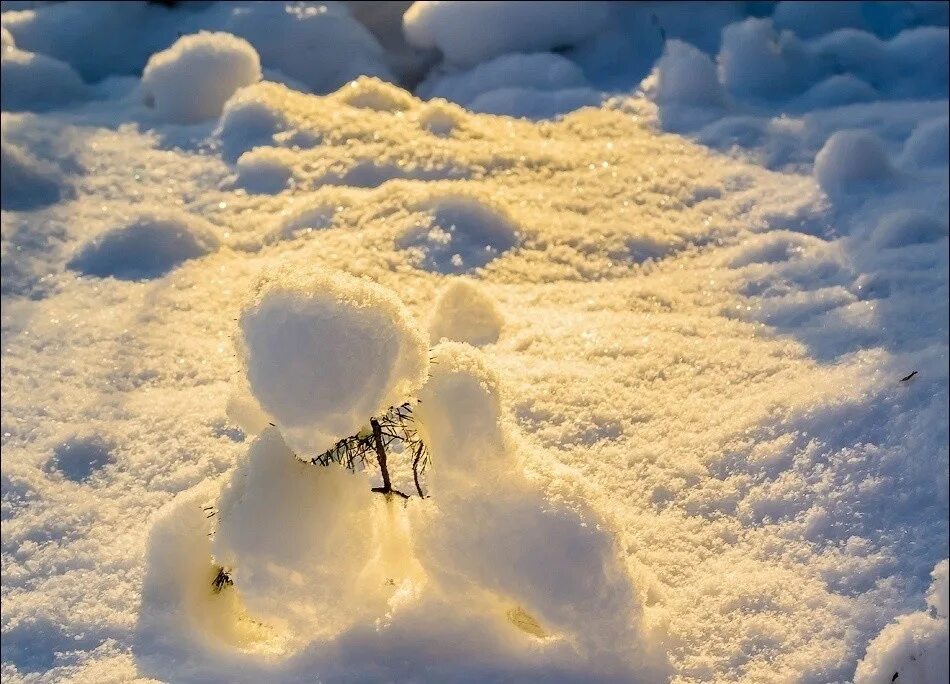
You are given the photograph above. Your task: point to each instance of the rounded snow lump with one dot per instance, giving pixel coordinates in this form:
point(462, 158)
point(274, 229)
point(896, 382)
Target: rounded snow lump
point(190, 81)
point(324, 353)
point(851, 158)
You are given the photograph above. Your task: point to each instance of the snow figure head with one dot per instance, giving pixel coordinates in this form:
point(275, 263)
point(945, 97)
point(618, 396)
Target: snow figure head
point(324, 353)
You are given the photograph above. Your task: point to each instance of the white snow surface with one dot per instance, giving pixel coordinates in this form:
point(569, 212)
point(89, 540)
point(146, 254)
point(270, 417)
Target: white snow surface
point(701, 251)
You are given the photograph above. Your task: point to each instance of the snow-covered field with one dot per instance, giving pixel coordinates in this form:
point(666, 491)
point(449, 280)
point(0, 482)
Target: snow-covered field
point(666, 285)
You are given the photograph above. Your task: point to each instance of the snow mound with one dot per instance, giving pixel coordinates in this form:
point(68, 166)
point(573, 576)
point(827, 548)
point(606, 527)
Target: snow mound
point(541, 71)
point(529, 103)
point(439, 117)
point(190, 81)
point(6, 39)
point(916, 647)
point(462, 234)
point(372, 93)
point(179, 608)
point(303, 219)
point(248, 121)
point(502, 581)
point(464, 313)
point(318, 45)
point(763, 65)
point(34, 82)
point(148, 247)
point(938, 597)
point(294, 538)
point(685, 75)
point(908, 227)
point(265, 170)
point(553, 568)
point(98, 39)
point(836, 91)
point(851, 158)
point(79, 456)
point(324, 353)
point(751, 61)
point(26, 182)
point(811, 18)
point(471, 32)
point(929, 145)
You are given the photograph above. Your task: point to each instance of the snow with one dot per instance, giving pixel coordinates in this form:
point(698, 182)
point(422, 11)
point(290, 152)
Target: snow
point(469, 33)
point(264, 170)
point(36, 82)
point(247, 122)
point(190, 81)
point(27, 182)
point(460, 234)
point(851, 158)
point(916, 647)
point(320, 46)
point(664, 286)
point(464, 312)
point(325, 353)
point(148, 247)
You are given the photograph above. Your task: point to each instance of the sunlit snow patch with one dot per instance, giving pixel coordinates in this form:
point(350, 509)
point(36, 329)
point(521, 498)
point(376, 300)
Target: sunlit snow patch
point(465, 313)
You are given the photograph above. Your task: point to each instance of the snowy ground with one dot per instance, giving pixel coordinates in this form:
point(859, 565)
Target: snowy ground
point(680, 447)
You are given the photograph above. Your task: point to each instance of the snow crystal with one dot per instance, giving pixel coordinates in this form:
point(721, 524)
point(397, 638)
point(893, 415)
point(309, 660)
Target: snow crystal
point(190, 81)
point(468, 33)
point(465, 313)
point(851, 158)
point(34, 82)
point(324, 353)
point(145, 248)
